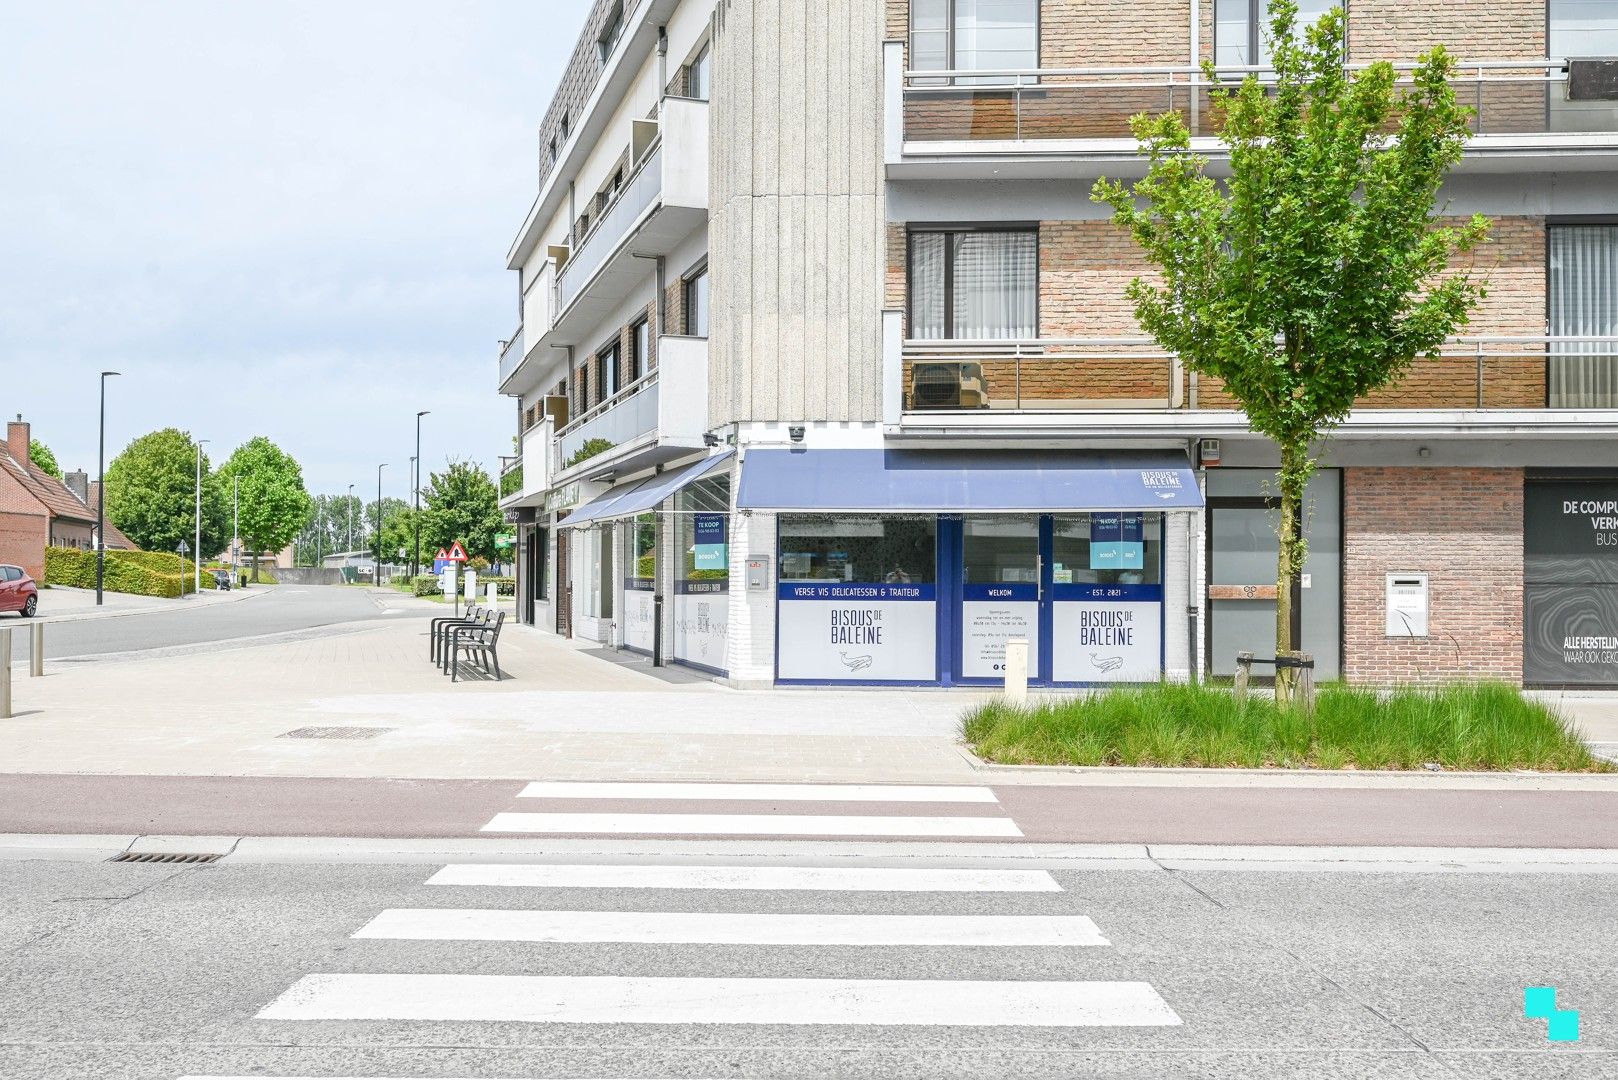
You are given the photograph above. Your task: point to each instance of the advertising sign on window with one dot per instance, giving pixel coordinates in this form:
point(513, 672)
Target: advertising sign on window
point(1117, 542)
point(992, 615)
point(711, 552)
point(1570, 549)
point(857, 632)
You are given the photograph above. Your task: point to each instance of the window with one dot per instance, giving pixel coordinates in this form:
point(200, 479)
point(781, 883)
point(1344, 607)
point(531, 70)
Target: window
point(607, 372)
point(1582, 28)
point(1240, 27)
point(886, 549)
point(698, 75)
point(1107, 549)
point(974, 284)
point(640, 349)
point(1583, 304)
point(611, 30)
point(974, 35)
point(564, 127)
point(694, 294)
point(553, 151)
point(644, 538)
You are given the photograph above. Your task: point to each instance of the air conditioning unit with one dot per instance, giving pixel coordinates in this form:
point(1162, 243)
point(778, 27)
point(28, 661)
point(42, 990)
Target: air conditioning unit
point(947, 385)
point(1592, 78)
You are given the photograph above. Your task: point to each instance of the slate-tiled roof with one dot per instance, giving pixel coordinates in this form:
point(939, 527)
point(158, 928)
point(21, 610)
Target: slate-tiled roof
point(47, 489)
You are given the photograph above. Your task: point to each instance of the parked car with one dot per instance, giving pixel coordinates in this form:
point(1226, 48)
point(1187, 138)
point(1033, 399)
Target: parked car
point(18, 591)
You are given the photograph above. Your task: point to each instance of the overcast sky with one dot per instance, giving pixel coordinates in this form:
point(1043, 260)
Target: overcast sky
point(275, 218)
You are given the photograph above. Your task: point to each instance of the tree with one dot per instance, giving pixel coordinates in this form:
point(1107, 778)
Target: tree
point(1320, 269)
point(461, 503)
point(41, 455)
point(274, 507)
point(151, 495)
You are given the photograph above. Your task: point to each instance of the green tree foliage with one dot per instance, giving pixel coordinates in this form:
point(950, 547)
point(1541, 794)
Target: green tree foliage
point(461, 503)
point(41, 455)
point(1316, 273)
point(274, 507)
point(328, 528)
point(151, 494)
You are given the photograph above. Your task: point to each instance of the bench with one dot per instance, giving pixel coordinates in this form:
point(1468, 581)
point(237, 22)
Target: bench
point(438, 629)
point(480, 643)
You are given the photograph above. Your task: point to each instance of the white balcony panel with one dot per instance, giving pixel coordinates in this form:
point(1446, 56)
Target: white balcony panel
point(660, 418)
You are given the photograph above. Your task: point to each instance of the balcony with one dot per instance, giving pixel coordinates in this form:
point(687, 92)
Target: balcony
point(662, 200)
point(1521, 105)
point(525, 478)
point(659, 417)
point(511, 354)
point(1131, 383)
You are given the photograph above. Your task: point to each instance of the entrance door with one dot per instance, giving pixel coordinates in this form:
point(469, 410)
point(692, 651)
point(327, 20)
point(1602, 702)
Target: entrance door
point(1000, 594)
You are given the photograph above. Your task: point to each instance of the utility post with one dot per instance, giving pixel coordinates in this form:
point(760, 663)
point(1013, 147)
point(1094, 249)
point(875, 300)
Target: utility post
point(101, 493)
point(350, 506)
point(376, 569)
point(415, 498)
point(235, 528)
point(197, 565)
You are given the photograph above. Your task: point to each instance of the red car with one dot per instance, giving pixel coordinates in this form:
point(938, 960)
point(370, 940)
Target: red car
point(18, 591)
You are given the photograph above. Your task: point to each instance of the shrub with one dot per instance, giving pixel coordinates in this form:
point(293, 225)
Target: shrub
point(590, 449)
point(425, 585)
point(142, 573)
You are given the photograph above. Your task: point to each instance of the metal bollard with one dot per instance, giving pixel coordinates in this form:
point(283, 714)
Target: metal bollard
point(1017, 669)
point(5, 672)
point(36, 650)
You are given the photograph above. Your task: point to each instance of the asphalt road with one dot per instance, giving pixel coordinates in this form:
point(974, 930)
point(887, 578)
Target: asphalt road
point(282, 609)
point(151, 972)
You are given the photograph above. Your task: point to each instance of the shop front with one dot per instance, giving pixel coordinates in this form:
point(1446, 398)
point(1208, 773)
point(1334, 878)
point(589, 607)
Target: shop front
point(1063, 550)
point(1570, 579)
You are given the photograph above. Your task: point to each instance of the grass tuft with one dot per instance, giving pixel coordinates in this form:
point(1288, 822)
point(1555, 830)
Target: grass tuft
point(1480, 726)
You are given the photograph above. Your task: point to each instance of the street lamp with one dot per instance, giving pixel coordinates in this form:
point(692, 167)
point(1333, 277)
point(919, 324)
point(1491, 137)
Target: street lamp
point(415, 496)
point(101, 493)
point(376, 570)
point(351, 519)
point(235, 526)
point(197, 552)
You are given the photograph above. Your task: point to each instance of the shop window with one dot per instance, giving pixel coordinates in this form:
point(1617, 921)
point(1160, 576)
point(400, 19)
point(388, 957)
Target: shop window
point(888, 549)
point(701, 601)
point(643, 572)
point(974, 284)
point(1107, 549)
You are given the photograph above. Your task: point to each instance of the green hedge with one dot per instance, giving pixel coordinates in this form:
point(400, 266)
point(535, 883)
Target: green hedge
point(143, 573)
point(503, 586)
point(425, 585)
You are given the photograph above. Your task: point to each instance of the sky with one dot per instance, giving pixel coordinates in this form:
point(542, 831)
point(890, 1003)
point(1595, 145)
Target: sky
point(278, 218)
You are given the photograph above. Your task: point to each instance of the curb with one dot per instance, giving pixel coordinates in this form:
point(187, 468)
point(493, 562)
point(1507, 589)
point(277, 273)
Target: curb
point(233, 598)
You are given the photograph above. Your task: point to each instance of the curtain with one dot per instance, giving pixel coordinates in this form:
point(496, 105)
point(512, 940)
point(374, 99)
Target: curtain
point(1584, 304)
point(994, 284)
point(927, 285)
point(996, 34)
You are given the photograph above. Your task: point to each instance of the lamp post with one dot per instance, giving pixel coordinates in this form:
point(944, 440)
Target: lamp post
point(376, 571)
point(351, 519)
point(415, 497)
point(235, 526)
point(197, 551)
point(101, 493)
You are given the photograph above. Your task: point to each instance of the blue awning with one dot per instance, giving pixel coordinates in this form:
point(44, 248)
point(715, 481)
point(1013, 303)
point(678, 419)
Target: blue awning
point(639, 496)
point(966, 481)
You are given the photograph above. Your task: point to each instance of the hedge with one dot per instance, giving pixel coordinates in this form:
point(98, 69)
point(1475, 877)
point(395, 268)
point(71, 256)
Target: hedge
point(143, 573)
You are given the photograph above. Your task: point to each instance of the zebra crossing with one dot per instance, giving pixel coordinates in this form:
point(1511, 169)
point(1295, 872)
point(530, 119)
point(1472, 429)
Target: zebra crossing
point(799, 906)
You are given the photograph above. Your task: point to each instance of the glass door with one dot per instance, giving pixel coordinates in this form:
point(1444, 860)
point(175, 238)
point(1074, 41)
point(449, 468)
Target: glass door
point(1000, 594)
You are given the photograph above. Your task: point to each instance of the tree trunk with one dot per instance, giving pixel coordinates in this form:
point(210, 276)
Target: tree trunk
point(1293, 478)
point(255, 567)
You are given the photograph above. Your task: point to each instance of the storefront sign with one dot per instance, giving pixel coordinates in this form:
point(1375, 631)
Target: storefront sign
point(702, 623)
point(857, 632)
point(1117, 542)
point(1108, 633)
point(639, 618)
point(711, 552)
point(991, 615)
point(1570, 594)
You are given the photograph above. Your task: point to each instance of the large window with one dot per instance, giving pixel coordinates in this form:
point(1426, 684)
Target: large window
point(699, 74)
point(1106, 549)
point(607, 372)
point(890, 549)
point(643, 537)
point(702, 512)
point(974, 284)
point(1240, 27)
point(694, 293)
point(974, 35)
point(1583, 304)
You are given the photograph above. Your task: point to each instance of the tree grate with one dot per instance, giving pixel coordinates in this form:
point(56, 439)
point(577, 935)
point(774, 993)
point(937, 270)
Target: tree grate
point(335, 733)
point(167, 857)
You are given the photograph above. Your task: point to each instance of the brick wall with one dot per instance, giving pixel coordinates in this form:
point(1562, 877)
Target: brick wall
point(22, 542)
point(578, 80)
point(1464, 529)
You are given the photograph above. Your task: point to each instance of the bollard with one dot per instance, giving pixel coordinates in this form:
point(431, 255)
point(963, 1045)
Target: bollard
point(1244, 671)
point(36, 650)
point(1017, 669)
point(491, 595)
point(5, 672)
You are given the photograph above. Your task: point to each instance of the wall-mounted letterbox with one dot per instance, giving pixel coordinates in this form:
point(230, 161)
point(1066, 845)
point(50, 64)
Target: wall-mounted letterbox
point(1407, 605)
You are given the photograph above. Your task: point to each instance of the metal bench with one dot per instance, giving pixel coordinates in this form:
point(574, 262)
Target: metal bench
point(480, 643)
point(438, 629)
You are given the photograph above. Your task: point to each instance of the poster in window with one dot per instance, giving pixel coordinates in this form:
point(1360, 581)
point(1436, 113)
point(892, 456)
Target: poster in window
point(710, 552)
point(1117, 542)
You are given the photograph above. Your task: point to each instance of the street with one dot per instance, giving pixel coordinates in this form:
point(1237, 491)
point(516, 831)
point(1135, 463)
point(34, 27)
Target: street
point(610, 963)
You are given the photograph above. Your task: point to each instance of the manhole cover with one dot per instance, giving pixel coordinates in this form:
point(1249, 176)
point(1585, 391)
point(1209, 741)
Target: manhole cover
point(335, 733)
point(166, 857)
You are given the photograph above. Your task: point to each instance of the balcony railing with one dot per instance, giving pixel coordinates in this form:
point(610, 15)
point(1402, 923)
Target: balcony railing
point(640, 191)
point(1527, 96)
point(1102, 374)
point(511, 353)
point(622, 418)
point(510, 476)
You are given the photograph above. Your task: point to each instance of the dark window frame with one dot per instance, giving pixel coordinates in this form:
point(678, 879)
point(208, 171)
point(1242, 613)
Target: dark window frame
point(605, 361)
point(687, 280)
point(639, 359)
point(948, 231)
point(950, 33)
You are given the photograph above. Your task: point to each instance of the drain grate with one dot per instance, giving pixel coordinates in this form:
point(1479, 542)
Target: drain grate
point(167, 857)
point(335, 733)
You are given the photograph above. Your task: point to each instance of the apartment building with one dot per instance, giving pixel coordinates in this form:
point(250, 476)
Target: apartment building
point(825, 373)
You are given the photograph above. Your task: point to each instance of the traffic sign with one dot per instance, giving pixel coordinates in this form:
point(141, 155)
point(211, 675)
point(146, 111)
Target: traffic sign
point(456, 552)
point(442, 556)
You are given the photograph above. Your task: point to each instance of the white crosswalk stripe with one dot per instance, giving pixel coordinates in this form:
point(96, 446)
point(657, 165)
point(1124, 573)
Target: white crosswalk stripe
point(750, 825)
point(748, 792)
point(754, 878)
point(621, 1000)
point(731, 928)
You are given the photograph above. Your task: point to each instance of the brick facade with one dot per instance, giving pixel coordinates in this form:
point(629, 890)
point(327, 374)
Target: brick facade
point(22, 541)
point(579, 80)
point(1464, 529)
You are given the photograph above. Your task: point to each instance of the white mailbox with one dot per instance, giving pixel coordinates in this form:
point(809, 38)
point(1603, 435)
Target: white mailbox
point(1407, 605)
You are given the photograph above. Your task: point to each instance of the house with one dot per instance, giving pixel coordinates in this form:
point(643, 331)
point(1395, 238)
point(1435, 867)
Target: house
point(825, 358)
point(37, 510)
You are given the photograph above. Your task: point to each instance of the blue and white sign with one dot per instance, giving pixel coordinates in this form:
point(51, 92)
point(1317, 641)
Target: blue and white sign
point(857, 632)
point(1117, 542)
point(702, 623)
point(992, 615)
point(711, 552)
point(1107, 633)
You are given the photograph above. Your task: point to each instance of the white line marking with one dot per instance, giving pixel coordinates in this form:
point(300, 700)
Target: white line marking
point(731, 928)
point(547, 789)
point(767, 878)
point(751, 825)
point(616, 1000)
